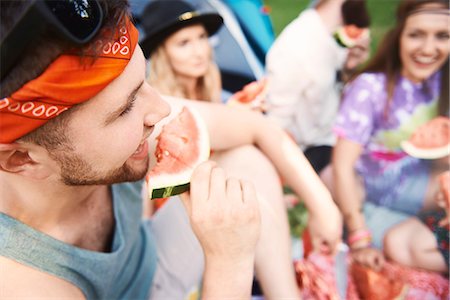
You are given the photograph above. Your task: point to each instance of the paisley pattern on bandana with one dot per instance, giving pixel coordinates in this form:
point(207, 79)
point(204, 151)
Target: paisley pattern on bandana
point(67, 81)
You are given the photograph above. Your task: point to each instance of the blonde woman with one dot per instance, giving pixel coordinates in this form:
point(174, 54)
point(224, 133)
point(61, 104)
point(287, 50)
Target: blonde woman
point(181, 62)
point(174, 70)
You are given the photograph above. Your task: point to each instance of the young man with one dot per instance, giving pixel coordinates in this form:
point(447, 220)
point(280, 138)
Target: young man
point(73, 130)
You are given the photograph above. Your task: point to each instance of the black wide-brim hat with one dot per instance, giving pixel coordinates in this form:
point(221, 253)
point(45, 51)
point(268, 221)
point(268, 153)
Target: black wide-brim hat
point(161, 18)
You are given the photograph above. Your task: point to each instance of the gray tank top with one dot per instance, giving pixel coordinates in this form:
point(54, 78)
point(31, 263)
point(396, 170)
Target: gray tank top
point(124, 273)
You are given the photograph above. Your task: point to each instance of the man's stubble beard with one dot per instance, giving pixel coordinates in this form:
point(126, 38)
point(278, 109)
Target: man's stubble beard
point(75, 171)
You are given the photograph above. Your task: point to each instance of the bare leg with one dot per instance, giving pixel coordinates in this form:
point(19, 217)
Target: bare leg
point(411, 243)
point(327, 178)
point(274, 266)
point(439, 166)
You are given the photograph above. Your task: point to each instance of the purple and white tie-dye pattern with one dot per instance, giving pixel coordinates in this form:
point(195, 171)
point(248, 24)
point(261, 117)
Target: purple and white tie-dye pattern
point(392, 178)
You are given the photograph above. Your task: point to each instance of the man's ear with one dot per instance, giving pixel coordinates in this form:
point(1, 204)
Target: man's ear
point(15, 158)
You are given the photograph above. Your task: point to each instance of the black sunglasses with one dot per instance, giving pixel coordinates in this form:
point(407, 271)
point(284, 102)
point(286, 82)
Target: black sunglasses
point(74, 20)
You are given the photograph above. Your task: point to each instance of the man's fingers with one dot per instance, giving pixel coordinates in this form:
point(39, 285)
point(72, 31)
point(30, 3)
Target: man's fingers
point(248, 192)
point(234, 189)
point(186, 200)
point(200, 181)
point(217, 184)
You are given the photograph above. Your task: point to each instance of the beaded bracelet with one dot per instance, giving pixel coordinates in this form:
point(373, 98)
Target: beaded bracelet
point(358, 236)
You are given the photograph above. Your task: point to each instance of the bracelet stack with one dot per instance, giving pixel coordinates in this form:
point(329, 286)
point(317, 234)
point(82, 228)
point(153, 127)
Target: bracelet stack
point(360, 238)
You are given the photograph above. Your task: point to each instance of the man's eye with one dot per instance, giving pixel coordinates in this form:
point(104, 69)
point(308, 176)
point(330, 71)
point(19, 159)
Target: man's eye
point(443, 36)
point(128, 108)
point(183, 43)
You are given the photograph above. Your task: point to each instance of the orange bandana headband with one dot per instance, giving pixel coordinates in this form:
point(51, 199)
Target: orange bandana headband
point(64, 83)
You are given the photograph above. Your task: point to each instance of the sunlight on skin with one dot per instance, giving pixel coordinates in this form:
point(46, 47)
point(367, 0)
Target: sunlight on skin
point(295, 157)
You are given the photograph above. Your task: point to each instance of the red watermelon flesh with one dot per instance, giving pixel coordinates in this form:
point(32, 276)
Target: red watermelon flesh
point(347, 36)
point(430, 141)
point(181, 146)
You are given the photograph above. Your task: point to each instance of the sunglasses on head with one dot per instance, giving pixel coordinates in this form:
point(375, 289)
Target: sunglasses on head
point(74, 20)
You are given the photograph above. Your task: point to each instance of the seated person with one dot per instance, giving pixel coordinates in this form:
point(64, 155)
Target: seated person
point(74, 149)
point(305, 66)
point(375, 183)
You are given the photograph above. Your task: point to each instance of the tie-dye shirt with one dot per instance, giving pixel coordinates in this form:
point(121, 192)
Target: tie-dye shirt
point(391, 177)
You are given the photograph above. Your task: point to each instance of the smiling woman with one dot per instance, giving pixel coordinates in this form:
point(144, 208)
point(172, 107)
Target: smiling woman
point(401, 88)
point(424, 43)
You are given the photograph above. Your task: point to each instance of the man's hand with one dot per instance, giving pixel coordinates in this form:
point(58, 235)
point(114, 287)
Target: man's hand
point(369, 257)
point(224, 215)
point(325, 228)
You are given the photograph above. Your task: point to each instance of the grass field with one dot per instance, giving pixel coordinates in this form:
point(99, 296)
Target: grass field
point(382, 13)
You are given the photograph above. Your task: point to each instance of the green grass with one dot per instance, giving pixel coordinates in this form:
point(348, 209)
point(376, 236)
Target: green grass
point(382, 14)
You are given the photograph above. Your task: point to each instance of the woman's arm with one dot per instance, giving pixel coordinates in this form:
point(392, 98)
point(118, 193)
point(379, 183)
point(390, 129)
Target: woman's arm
point(349, 194)
point(348, 190)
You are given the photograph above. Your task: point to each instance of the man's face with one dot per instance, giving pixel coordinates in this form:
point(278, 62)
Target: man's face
point(108, 133)
point(357, 54)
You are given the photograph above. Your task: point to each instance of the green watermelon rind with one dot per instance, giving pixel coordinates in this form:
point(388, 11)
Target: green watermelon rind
point(431, 153)
point(345, 41)
point(170, 191)
point(165, 185)
point(340, 41)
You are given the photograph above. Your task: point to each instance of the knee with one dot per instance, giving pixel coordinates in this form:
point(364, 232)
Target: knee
point(389, 244)
point(394, 246)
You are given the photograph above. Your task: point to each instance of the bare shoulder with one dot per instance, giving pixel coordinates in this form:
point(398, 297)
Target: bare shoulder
point(20, 281)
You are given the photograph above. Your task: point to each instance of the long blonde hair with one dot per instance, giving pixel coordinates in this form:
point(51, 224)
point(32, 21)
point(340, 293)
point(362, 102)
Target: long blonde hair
point(163, 78)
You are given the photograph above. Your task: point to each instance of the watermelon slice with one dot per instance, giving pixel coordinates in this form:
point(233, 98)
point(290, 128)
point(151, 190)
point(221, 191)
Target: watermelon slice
point(252, 95)
point(348, 36)
point(249, 92)
point(430, 141)
point(182, 145)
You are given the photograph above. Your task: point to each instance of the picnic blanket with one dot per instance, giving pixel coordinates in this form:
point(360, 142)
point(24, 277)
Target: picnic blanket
point(316, 277)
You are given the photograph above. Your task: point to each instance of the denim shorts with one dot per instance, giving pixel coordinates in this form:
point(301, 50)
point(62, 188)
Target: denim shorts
point(400, 188)
point(380, 219)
